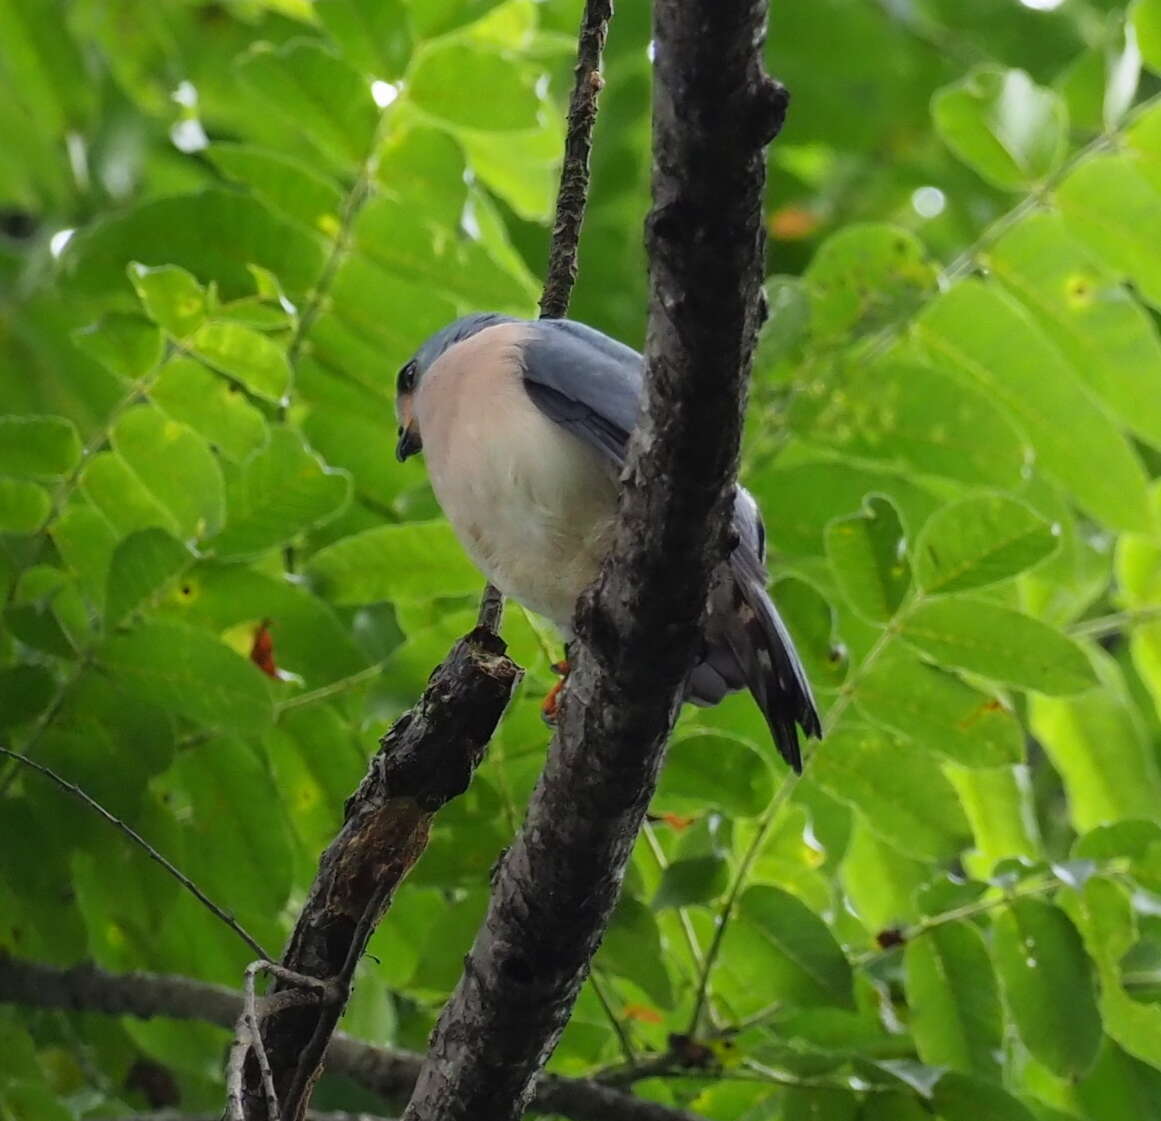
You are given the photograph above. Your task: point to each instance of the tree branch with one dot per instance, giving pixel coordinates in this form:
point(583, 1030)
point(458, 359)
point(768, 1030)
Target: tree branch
point(573, 193)
point(714, 110)
point(425, 760)
point(381, 1070)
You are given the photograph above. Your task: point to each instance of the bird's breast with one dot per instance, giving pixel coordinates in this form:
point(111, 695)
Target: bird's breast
point(532, 505)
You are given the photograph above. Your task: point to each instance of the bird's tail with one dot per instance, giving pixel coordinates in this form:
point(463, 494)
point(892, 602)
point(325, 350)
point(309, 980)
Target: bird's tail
point(747, 645)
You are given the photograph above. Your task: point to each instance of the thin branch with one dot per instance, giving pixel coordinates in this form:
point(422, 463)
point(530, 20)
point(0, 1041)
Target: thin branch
point(637, 628)
point(622, 1034)
point(572, 197)
point(781, 797)
point(1116, 622)
point(333, 689)
point(491, 609)
point(248, 1034)
point(144, 845)
point(1028, 889)
point(381, 1070)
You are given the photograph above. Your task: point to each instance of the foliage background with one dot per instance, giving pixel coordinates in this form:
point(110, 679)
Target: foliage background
point(221, 240)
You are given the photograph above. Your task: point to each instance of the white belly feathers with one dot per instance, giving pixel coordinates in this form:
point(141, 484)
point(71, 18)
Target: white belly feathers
point(532, 505)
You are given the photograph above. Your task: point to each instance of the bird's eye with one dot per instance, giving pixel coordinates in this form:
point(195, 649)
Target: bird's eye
point(405, 383)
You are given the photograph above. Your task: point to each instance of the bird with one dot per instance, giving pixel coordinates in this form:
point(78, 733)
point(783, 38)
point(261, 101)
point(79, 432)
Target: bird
point(524, 427)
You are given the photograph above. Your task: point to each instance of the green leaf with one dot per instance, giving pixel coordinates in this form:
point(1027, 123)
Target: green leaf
point(25, 692)
point(698, 871)
point(142, 565)
point(1103, 913)
point(188, 672)
point(1146, 17)
point(983, 334)
point(416, 561)
point(282, 182)
point(866, 276)
point(812, 962)
point(215, 408)
point(1110, 204)
point(44, 446)
point(216, 235)
point(282, 490)
point(899, 790)
point(372, 34)
point(938, 710)
point(172, 297)
point(797, 502)
point(309, 640)
point(1007, 128)
point(998, 804)
point(128, 345)
point(469, 86)
point(867, 553)
point(24, 506)
point(1048, 985)
point(631, 948)
point(1108, 337)
point(317, 93)
point(247, 356)
point(698, 879)
point(913, 418)
point(998, 643)
point(979, 541)
point(714, 771)
point(1097, 744)
point(175, 469)
point(238, 836)
point(810, 619)
point(956, 1018)
point(962, 1097)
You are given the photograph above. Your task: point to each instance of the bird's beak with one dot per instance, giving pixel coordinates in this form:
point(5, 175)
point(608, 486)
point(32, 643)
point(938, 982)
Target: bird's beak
point(409, 442)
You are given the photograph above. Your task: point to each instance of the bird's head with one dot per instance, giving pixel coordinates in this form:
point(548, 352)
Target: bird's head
point(409, 378)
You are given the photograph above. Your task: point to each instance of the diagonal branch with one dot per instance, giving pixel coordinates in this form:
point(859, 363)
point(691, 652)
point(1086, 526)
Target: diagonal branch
point(429, 756)
point(425, 760)
point(714, 111)
point(383, 1071)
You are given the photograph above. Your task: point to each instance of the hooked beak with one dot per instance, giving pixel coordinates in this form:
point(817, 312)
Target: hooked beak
point(409, 442)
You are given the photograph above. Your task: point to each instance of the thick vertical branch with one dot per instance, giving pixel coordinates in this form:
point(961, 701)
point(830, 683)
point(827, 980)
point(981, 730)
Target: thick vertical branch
point(714, 111)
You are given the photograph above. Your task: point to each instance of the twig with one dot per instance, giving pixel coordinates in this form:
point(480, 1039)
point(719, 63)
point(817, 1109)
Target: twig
point(1118, 621)
point(248, 1033)
point(781, 797)
point(491, 610)
point(611, 1015)
point(144, 845)
point(572, 196)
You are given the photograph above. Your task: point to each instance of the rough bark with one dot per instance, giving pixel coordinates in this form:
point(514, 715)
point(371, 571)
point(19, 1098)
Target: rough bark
point(714, 110)
point(425, 760)
point(382, 1070)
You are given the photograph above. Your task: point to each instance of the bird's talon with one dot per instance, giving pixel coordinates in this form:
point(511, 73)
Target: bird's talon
point(550, 708)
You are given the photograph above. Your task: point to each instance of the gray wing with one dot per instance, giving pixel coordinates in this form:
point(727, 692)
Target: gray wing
point(584, 381)
point(591, 385)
